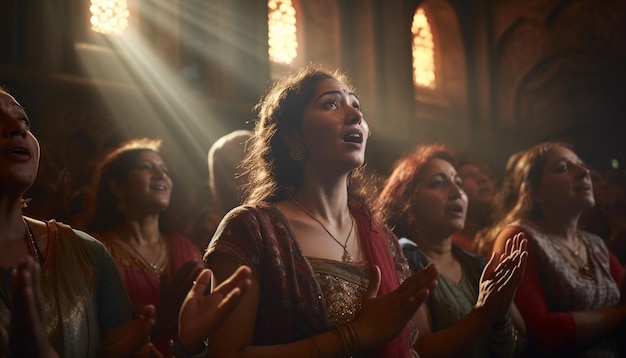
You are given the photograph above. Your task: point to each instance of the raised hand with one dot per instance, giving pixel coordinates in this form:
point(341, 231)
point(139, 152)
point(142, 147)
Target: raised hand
point(28, 337)
point(500, 279)
point(382, 318)
point(205, 308)
point(173, 291)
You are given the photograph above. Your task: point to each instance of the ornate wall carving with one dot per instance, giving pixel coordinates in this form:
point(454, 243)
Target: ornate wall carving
point(559, 64)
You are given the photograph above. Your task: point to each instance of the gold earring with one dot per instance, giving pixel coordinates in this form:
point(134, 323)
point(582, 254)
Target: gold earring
point(24, 202)
point(297, 152)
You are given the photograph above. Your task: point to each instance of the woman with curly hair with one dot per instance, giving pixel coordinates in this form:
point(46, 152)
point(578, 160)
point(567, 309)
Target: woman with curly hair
point(328, 280)
point(468, 313)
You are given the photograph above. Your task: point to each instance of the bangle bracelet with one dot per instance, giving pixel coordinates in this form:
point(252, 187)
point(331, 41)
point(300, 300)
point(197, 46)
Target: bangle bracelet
point(177, 350)
point(356, 342)
point(346, 348)
point(317, 346)
point(349, 340)
point(501, 324)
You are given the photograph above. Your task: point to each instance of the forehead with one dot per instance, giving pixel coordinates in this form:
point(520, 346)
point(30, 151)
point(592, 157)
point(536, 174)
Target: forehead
point(469, 168)
point(436, 165)
point(7, 101)
point(149, 155)
point(559, 152)
point(331, 85)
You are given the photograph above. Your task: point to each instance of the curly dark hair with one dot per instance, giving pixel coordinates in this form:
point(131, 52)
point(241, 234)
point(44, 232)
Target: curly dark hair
point(272, 175)
point(114, 166)
point(394, 205)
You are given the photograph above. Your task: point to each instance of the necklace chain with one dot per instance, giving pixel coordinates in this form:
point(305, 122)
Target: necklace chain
point(346, 255)
point(156, 266)
point(584, 269)
point(33, 243)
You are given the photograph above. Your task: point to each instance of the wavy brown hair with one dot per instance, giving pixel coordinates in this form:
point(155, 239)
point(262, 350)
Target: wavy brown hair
point(514, 200)
point(102, 213)
point(272, 175)
point(394, 205)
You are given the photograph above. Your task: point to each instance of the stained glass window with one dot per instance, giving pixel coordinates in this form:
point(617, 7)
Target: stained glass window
point(109, 16)
point(423, 51)
point(282, 40)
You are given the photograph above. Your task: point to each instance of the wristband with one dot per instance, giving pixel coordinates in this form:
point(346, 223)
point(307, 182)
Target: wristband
point(177, 350)
point(501, 324)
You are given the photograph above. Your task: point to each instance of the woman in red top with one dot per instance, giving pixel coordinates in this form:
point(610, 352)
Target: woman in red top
point(569, 295)
point(130, 189)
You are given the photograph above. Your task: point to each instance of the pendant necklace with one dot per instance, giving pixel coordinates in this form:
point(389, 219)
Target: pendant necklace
point(156, 266)
point(584, 269)
point(346, 255)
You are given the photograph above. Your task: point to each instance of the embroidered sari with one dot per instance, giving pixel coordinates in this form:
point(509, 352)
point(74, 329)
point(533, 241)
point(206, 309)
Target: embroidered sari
point(83, 293)
point(141, 282)
point(292, 304)
point(552, 289)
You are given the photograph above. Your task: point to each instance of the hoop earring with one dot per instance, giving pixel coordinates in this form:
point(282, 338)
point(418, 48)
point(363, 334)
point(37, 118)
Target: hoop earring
point(297, 152)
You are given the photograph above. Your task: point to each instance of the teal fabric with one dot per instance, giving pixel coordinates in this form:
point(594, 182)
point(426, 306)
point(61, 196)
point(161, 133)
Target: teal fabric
point(450, 301)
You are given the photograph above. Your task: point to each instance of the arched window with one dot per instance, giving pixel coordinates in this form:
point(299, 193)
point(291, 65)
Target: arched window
point(423, 49)
point(109, 16)
point(282, 36)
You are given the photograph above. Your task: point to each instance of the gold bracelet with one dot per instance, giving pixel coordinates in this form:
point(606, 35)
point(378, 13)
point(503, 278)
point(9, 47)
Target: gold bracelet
point(356, 342)
point(317, 346)
point(342, 342)
point(347, 349)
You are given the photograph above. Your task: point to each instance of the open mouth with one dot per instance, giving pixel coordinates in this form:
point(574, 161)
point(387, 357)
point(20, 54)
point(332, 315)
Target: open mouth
point(585, 187)
point(19, 152)
point(354, 137)
point(161, 188)
point(455, 209)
